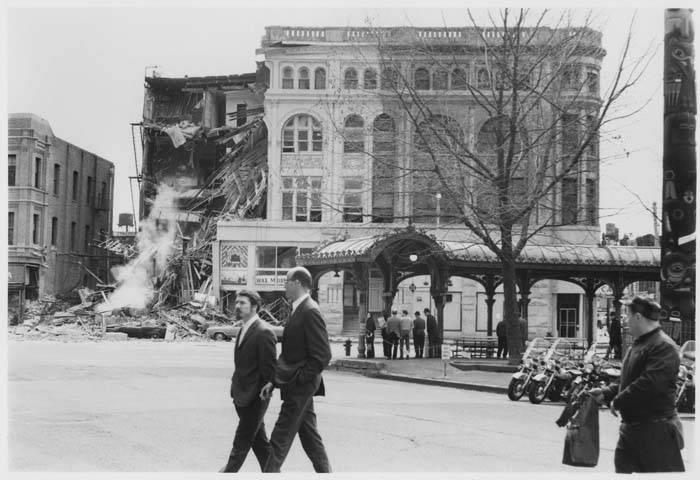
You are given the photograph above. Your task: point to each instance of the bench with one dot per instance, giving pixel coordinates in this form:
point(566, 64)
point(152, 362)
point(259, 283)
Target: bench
point(474, 347)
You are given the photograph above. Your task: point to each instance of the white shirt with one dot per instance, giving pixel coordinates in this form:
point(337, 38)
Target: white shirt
point(297, 302)
point(246, 326)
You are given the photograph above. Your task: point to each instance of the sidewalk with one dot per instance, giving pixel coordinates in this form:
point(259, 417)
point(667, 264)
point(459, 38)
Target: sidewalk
point(481, 375)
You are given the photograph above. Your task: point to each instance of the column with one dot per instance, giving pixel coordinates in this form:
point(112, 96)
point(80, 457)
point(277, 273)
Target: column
point(590, 321)
point(361, 274)
point(439, 299)
point(490, 301)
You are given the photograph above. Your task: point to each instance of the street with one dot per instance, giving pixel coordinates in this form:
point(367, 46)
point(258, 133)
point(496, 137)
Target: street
point(156, 406)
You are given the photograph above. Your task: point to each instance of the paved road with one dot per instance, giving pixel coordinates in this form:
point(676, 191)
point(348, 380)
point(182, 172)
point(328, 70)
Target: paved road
point(154, 406)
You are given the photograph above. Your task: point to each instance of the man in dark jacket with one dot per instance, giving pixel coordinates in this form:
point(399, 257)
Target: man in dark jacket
point(502, 339)
point(614, 337)
point(418, 335)
point(370, 328)
point(305, 354)
point(651, 435)
point(393, 325)
point(431, 325)
point(254, 358)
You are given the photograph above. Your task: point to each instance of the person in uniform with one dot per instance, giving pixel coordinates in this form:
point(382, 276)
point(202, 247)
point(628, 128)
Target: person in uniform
point(651, 434)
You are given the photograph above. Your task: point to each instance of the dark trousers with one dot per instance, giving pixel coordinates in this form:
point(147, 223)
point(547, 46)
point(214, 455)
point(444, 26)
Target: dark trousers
point(419, 343)
point(502, 347)
point(297, 416)
point(615, 346)
point(650, 447)
point(369, 341)
point(395, 344)
point(386, 344)
point(405, 340)
point(250, 433)
point(432, 347)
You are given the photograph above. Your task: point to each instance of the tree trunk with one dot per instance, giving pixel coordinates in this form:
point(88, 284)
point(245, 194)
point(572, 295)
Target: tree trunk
point(510, 301)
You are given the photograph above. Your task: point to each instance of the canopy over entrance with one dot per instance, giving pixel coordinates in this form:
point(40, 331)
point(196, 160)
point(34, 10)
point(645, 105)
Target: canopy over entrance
point(404, 253)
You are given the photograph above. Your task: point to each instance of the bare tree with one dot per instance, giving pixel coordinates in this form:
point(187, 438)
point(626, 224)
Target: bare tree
point(528, 88)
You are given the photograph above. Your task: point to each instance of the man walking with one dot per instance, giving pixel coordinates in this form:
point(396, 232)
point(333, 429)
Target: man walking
point(254, 358)
point(431, 324)
point(418, 335)
point(614, 337)
point(405, 335)
point(305, 354)
point(651, 435)
point(502, 339)
point(393, 326)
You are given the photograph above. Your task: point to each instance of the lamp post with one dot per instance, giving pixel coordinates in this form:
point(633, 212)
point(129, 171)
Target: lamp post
point(438, 197)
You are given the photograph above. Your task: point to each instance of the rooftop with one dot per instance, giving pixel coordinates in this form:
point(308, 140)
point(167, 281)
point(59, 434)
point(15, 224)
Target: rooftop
point(178, 83)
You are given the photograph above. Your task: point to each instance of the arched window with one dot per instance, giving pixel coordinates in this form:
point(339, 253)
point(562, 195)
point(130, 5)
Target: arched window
point(288, 78)
point(320, 79)
point(350, 79)
point(440, 80)
point(459, 79)
point(383, 169)
point(438, 142)
point(390, 78)
point(302, 133)
point(421, 79)
point(304, 81)
point(483, 79)
point(370, 79)
point(354, 134)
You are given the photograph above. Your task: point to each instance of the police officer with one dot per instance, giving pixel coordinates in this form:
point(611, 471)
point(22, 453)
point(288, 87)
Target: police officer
point(651, 435)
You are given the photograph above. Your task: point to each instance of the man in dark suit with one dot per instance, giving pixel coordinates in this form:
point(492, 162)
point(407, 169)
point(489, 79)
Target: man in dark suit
point(254, 359)
point(305, 353)
point(432, 333)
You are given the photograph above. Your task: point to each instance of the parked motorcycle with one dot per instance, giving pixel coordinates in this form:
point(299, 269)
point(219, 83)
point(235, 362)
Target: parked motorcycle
point(552, 380)
point(685, 382)
point(529, 365)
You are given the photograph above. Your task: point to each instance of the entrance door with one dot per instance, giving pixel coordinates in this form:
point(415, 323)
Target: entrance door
point(568, 322)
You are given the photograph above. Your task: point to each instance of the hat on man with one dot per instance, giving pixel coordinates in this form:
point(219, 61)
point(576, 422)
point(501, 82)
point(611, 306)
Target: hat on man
point(644, 305)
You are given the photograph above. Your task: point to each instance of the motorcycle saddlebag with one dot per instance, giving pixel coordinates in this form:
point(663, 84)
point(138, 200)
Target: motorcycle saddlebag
point(582, 442)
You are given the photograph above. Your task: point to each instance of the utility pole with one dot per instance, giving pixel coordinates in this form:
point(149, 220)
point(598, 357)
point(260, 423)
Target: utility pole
point(679, 177)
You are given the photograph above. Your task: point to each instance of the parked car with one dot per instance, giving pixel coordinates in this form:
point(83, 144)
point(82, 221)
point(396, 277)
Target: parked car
point(229, 332)
point(139, 331)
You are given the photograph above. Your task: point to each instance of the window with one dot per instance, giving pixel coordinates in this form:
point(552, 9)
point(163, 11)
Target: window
point(301, 199)
point(320, 79)
point(54, 231)
point(274, 262)
point(390, 78)
point(241, 114)
point(35, 229)
point(591, 202)
point(421, 79)
point(56, 178)
point(354, 135)
point(569, 136)
point(304, 80)
point(569, 76)
point(350, 81)
point(483, 79)
point(11, 170)
point(104, 201)
point(75, 185)
point(11, 228)
point(593, 144)
point(302, 133)
point(569, 201)
point(383, 169)
point(72, 235)
point(86, 240)
point(440, 80)
point(352, 200)
point(592, 82)
point(459, 79)
point(37, 172)
point(288, 78)
point(370, 79)
point(90, 184)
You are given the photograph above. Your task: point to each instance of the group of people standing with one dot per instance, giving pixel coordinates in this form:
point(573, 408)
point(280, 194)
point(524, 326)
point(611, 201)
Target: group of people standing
point(397, 331)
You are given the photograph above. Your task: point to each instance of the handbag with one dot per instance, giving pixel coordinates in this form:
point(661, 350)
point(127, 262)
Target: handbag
point(582, 441)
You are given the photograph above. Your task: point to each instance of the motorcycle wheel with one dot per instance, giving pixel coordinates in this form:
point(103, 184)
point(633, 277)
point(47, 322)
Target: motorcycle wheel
point(537, 392)
point(516, 389)
point(555, 393)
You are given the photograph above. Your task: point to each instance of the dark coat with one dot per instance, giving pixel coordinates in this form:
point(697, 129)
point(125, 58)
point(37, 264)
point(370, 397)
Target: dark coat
point(306, 352)
point(501, 329)
point(370, 325)
point(254, 359)
point(432, 326)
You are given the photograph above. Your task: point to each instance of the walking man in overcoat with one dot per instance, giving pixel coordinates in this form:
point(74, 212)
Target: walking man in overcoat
point(305, 354)
point(254, 358)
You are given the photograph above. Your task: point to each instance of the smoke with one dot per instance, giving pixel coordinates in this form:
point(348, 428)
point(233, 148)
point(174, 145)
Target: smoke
point(155, 242)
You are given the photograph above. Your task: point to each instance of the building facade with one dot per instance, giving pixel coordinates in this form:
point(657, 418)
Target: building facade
point(332, 122)
point(59, 203)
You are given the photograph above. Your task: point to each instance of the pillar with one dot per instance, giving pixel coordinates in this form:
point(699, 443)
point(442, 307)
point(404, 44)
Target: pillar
point(361, 273)
point(490, 301)
point(590, 318)
point(439, 300)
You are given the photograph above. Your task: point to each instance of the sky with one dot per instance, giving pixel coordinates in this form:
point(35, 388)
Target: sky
point(82, 69)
